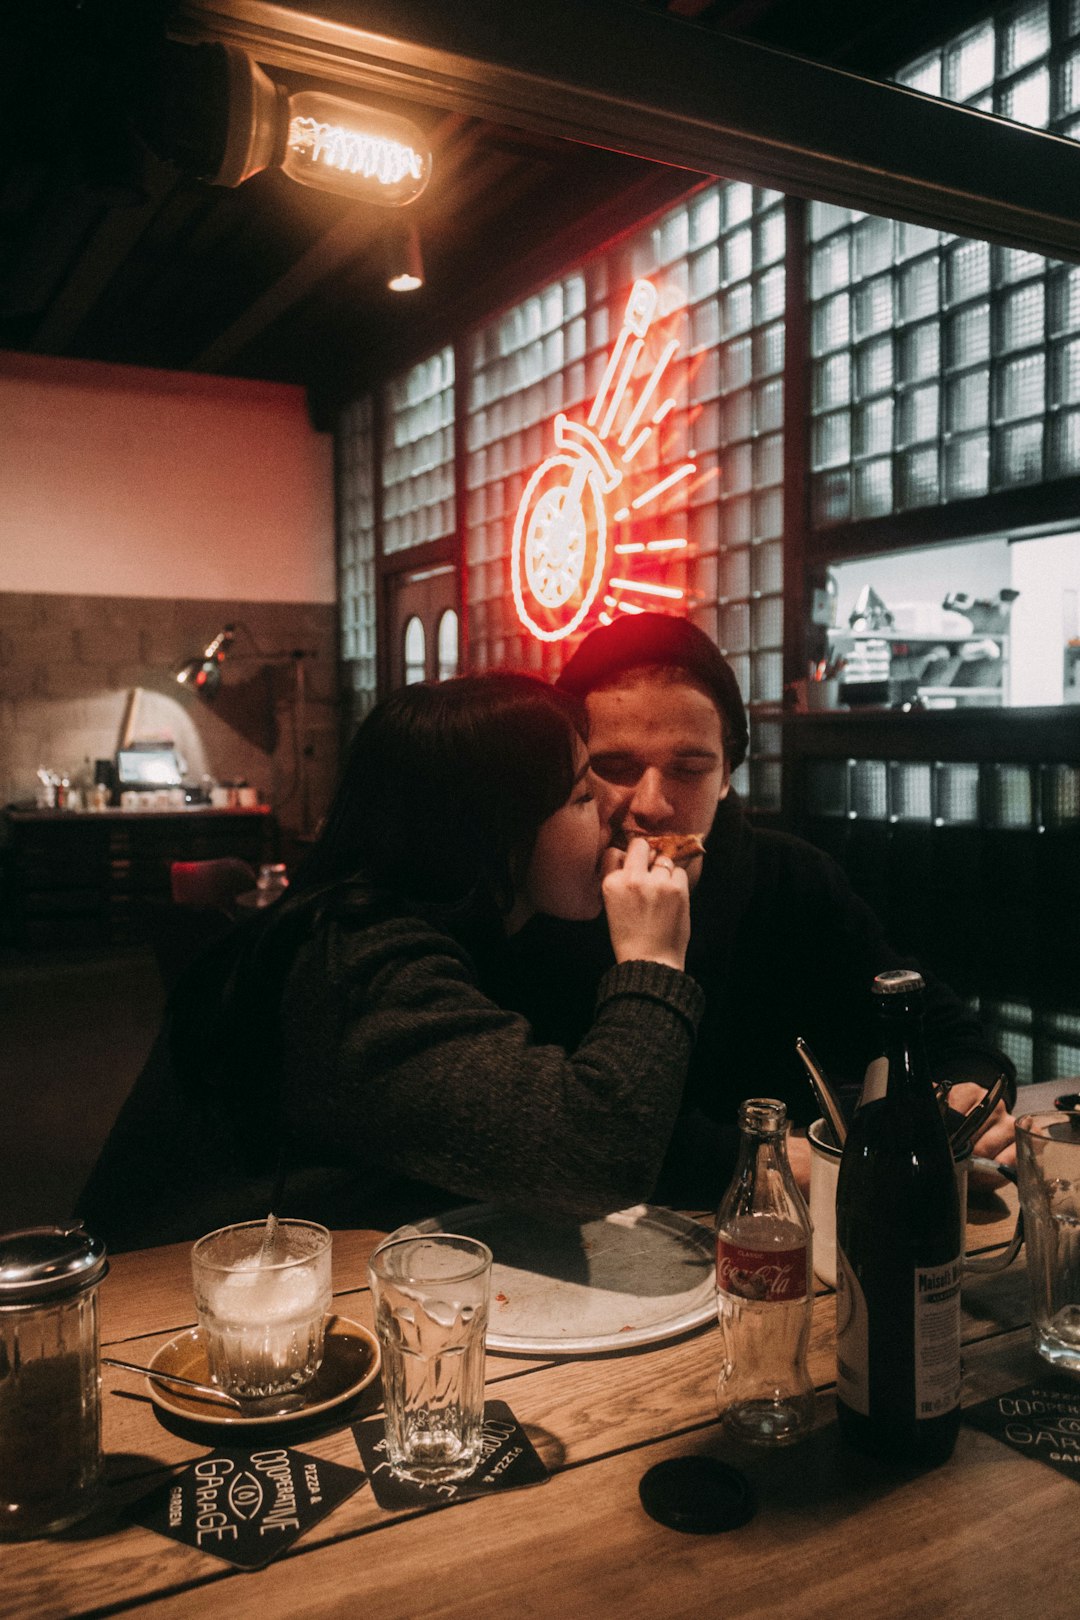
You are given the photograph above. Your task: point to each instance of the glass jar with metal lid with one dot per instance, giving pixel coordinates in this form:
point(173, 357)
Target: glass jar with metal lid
point(50, 1385)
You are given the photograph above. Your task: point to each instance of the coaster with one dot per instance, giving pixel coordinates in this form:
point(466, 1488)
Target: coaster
point(247, 1506)
point(508, 1459)
point(1039, 1420)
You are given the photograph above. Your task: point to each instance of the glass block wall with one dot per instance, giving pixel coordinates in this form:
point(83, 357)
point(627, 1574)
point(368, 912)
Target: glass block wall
point(418, 454)
point(717, 260)
point(945, 368)
point(355, 490)
point(979, 862)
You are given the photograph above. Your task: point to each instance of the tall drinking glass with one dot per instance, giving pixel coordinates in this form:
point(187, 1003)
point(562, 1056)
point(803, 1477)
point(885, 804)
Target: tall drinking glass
point(1048, 1174)
point(430, 1293)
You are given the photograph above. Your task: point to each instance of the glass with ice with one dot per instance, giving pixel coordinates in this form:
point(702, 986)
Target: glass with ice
point(262, 1304)
point(1048, 1174)
point(430, 1293)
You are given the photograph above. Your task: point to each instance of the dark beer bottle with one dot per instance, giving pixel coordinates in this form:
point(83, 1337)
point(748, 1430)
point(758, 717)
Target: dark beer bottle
point(898, 1250)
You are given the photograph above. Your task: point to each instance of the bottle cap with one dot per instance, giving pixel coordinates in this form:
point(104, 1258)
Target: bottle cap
point(898, 982)
point(698, 1495)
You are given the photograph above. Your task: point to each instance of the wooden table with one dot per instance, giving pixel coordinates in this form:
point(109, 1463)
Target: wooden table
point(991, 1532)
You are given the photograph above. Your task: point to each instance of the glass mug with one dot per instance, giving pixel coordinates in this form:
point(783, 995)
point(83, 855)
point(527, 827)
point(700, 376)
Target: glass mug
point(825, 1169)
point(1048, 1175)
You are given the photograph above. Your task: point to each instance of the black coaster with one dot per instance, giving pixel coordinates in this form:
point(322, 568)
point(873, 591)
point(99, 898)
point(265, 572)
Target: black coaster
point(508, 1459)
point(1039, 1420)
point(698, 1495)
point(247, 1506)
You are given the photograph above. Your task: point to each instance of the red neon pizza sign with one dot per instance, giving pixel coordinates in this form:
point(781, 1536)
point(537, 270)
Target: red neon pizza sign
point(562, 555)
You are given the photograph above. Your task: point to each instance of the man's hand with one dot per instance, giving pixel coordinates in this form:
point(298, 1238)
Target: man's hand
point(997, 1137)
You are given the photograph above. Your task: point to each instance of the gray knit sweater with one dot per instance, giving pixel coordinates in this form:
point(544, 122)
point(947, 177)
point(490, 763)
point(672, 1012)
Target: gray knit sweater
point(397, 1063)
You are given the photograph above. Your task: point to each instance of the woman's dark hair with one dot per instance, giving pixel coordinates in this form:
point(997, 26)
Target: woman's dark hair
point(445, 787)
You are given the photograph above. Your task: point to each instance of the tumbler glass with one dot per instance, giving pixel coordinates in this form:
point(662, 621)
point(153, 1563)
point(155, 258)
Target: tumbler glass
point(430, 1293)
point(263, 1316)
point(1048, 1174)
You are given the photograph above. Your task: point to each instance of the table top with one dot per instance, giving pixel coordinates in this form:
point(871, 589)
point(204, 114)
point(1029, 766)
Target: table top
point(990, 1531)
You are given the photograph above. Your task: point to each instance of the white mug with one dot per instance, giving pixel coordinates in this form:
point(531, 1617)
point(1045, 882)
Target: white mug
point(824, 1173)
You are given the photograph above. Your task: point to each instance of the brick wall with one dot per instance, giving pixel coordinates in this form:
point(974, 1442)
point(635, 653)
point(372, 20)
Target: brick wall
point(68, 666)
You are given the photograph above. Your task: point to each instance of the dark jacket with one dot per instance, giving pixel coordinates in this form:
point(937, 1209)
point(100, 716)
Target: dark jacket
point(782, 947)
point(368, 1039)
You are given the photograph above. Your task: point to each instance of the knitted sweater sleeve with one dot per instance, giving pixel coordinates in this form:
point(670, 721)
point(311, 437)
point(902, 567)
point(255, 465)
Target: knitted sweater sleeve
point(395, 1060)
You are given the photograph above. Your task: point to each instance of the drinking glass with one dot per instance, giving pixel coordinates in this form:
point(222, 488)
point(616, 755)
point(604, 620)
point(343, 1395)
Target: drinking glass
point(1048, 1173)
point(430, 1293)
point(262, 1315)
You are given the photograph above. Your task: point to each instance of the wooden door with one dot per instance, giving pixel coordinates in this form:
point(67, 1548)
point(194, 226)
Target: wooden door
point(424, 626)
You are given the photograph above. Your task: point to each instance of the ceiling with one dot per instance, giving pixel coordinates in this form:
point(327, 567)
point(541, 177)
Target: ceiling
point(112, 248)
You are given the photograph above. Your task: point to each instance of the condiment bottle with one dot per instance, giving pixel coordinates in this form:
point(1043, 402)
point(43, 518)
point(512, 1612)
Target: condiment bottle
point(50, 1409)
point(898, 1250)
point(763, 1286)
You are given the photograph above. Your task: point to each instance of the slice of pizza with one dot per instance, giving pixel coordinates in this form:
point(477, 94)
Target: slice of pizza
point(678, 847)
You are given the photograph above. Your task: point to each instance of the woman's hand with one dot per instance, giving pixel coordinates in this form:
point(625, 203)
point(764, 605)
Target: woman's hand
point(648, 906)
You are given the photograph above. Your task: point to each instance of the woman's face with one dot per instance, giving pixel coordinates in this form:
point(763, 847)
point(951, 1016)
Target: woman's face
point(563, 876)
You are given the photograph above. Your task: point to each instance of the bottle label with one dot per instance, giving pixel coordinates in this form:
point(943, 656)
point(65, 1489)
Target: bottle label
point(761, 1274)
point(875, 1081)
point(937, 1339)
point(852, 1338)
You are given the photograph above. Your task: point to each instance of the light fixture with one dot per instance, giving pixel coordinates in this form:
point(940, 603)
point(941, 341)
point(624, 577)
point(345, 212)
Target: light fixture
point(320, 140)
point(203, 675)
point(404, 262)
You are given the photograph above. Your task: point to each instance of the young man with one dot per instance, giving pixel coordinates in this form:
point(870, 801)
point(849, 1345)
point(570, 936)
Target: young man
point(780, 943)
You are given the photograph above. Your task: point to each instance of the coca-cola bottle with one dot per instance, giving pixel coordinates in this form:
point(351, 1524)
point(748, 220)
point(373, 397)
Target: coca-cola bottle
point(763, 1286)
point(898, 1250)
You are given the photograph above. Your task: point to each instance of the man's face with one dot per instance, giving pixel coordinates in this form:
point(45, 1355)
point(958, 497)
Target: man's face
point(656, 747)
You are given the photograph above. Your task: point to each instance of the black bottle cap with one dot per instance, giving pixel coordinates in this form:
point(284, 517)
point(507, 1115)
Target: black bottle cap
point(698, 1495)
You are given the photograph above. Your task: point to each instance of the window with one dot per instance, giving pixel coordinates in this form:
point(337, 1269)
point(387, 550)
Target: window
point(717, 262)
point(355, 486)
point(944, 368)
point(418, 455)
point(415, 643)
point(447, 643)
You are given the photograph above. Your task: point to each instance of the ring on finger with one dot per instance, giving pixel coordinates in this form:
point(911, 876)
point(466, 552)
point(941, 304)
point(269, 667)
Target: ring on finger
point(665, 862)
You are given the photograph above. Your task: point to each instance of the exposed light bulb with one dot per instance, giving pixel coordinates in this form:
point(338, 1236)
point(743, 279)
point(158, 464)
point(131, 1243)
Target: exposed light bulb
point(356, 151)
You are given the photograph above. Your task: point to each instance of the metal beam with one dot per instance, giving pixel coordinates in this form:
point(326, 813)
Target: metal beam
point(619, 76)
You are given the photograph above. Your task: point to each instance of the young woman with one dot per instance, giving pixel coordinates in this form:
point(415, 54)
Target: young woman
point(356, 1036)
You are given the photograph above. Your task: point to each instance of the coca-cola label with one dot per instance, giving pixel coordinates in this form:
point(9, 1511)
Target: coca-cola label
point(760, 1274)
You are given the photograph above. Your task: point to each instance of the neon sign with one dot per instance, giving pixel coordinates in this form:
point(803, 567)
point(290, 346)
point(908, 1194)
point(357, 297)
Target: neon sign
point(559, 556)
point(337, 145)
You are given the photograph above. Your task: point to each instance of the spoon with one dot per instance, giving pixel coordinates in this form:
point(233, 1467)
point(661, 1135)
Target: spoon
point(827, 1099)
point(962, 1133)
point(174, 1378)
point(262, 1406)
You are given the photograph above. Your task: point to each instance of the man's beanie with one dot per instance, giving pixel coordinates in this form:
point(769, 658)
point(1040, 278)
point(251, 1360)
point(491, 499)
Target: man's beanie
point(635, 640)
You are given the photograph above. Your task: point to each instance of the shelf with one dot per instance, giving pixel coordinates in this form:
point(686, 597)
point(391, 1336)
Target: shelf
point(931, 640)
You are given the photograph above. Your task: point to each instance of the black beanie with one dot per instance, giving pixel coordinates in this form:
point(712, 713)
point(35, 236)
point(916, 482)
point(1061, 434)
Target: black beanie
point(635, 640)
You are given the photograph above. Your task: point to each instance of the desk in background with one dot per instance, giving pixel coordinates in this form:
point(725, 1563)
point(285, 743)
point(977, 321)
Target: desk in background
point(89, 877)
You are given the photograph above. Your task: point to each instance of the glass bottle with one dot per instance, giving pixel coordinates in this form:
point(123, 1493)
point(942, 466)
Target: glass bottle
point(50, 1408)
point(764, 1290)
point(898, 1250)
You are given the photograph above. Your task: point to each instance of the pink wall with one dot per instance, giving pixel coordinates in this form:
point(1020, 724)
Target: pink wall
point(120, 481)
point(139, 512)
